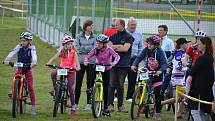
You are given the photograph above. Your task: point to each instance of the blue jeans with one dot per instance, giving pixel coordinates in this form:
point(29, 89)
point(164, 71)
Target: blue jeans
point(167, 78)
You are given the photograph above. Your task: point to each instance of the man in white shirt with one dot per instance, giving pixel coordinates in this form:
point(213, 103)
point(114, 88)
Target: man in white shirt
point(167, 44)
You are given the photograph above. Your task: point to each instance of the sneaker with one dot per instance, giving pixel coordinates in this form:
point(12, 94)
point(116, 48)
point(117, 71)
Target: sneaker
point(115, 99)
point(51, 92)
point(87, 108)
point(122, 109)
point(72, 112)
point(111, 108)
point(9, 94)
point(33, 111)
point(76, 106)
point(129, 100)
point(106, 112)
point(157, 116)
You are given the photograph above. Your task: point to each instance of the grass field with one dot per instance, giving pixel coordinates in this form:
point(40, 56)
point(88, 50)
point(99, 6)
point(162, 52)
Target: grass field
point(9, 34)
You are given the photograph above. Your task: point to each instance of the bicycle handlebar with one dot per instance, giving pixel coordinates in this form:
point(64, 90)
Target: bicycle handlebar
point(100, 64)
point(58, 67)
point(24, 64)
point(145, 70)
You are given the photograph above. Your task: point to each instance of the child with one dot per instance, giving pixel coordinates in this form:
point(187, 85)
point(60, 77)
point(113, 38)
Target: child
point(178, 72)
point(68, 59)
point(26, 54)
point(103, 55)
point(155, 61)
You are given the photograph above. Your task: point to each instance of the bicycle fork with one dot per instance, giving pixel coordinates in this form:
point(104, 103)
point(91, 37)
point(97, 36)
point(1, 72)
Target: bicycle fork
point(143, 85)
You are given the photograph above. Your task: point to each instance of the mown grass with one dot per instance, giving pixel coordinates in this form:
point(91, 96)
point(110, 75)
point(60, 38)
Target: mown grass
point(9, 34)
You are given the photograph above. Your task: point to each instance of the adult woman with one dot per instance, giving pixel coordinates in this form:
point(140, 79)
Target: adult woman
point(202, 75)
point(84, 43)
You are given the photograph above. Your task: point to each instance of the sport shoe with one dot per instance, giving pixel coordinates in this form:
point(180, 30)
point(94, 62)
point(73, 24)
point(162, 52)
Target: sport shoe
point(72, 112)
point(76, 106)
point(33, 111)
point(157, 116)
point(87, 108)
point(122, 109)
point(129, 100)
point(9, 94)
point(111, 108)
point(106, 112)
point(115, 99)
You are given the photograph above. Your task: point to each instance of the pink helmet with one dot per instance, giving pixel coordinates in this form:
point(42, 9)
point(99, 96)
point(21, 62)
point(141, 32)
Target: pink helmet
point(154, 39)
point(66, 39)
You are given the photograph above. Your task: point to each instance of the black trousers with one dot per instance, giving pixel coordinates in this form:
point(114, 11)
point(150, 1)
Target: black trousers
point(90, 70)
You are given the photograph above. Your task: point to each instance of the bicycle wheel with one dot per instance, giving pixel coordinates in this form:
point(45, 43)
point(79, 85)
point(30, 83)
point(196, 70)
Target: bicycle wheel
point(56, 99)
point(96, 101)
point(63, 102)
point(15, 99)
point(135, 105)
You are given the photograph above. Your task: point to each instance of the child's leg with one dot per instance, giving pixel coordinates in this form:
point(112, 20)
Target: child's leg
point(71, 86)
point(29, 80)
point(54, 76)
point(106, 78)
point(157, 98)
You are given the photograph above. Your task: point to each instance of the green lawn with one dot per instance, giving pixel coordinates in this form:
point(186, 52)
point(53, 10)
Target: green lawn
point(9, 34)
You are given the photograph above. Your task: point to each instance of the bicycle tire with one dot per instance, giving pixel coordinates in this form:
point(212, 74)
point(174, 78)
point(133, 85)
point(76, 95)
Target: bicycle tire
point(56, 99)
point(15, 99)
point(96, 102)
point(135, 101)
point(63, 102)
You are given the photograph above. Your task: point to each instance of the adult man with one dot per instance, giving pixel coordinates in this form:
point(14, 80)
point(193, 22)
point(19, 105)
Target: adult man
point(111, 30)
point(121, 42)
point(168, 46)
point(137, 47)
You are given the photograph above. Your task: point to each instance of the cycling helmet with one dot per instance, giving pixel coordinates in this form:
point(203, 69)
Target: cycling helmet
point(26, 35)
point(102, 38)
point(154, 39)
point(66, 39)
point(200, 34)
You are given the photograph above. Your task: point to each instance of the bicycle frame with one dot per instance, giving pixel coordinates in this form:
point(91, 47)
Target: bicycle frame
point(99, 82)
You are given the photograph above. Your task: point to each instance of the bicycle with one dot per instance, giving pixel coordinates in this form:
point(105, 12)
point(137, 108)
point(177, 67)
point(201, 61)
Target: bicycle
point(61, 92)
point(97, 93)
point(19, 89)
point(143, 100)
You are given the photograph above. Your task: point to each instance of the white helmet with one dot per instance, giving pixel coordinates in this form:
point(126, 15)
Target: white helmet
point(200, 34)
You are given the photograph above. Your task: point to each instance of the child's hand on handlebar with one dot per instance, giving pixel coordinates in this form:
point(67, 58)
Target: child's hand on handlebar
point(113, 64)
point(158, 73)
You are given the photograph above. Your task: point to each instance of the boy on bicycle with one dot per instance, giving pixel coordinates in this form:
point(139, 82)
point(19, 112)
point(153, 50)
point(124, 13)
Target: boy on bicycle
point(155, 60)
point(104, 55)
point(26, 54)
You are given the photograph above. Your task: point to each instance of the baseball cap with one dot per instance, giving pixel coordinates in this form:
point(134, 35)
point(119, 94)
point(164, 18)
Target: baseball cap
point(181, 41)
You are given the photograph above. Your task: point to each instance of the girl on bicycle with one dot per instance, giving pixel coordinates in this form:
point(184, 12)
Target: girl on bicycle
point(104, 55)
point(68, 59)
point(178, 71)
point(155, 60)
point(26, 54)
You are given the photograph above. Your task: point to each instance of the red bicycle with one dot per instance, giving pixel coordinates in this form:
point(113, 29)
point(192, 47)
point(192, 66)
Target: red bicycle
point(19, 89)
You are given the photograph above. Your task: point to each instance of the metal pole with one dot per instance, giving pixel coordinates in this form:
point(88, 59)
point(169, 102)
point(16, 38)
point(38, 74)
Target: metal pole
point(181, 16)
point(37, 14)
point(45, 20)
point(93, 10)
point(111, 12)
point(176, 105)
point(2, 20)
point(30, 13)
point(22, 12)
point(54, 24)
point(77, 14)
point(104, 19)
point(65, 14)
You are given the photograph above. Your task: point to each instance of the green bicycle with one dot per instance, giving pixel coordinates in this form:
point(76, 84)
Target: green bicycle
point(143, 100)
point(97, 93)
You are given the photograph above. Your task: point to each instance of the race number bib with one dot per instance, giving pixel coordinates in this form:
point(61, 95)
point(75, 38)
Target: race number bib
point(100, 68)
point(62, 72)
point(18, 64)
point(144, 76)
